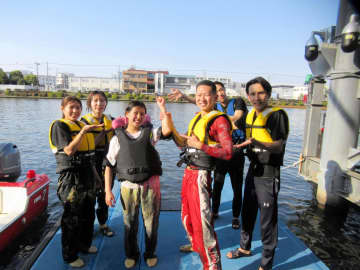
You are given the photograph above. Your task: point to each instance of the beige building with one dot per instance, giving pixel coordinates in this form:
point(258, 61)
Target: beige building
point(141, 81)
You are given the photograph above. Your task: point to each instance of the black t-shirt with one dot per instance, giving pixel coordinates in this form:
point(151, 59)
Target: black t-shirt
point(60, 135)
point(278, 125)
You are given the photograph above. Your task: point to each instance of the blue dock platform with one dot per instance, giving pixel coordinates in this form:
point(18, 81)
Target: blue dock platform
point(291, 253)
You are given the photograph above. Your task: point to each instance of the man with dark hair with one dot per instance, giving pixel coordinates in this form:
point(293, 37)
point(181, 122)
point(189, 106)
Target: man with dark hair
point(236, 110)
point(267, 130)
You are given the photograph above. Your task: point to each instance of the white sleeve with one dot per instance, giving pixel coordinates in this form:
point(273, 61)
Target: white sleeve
point(114, 148)
point(156, 133)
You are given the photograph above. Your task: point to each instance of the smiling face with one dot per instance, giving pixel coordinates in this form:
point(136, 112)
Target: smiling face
point(205, 99)
point(221, 93)
point(71, 110)
point(98, 105)
point(135, 117)
point(258, 97)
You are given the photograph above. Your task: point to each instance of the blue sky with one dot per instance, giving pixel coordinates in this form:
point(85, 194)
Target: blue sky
point(238, 39)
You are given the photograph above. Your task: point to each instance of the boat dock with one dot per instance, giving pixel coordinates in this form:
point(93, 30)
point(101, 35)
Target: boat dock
point(291, 252)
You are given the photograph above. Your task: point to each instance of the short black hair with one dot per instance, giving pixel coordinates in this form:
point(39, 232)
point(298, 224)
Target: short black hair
point(135, 103)
point(264, 83)
point(207, 83)
point(219, 83)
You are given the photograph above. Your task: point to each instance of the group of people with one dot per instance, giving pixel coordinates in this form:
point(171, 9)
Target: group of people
point(90, 152)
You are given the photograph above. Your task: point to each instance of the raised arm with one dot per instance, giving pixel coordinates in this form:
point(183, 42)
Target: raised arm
point(167, 123)
point(176, 94)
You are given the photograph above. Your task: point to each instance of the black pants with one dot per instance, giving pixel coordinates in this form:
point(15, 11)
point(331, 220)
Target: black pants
point(235, 168)
point(77, 192)
point(102, 208)
point(262, 186)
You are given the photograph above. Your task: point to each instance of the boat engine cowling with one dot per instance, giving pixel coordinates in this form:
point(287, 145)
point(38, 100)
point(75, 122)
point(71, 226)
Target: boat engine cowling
point(10, 164)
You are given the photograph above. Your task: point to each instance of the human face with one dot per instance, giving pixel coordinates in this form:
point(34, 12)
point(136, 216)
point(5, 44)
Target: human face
point(71, 110)
point(221, 93)
point(204, 99)
point(258, 97)
point(135, 117)
point(98, 105)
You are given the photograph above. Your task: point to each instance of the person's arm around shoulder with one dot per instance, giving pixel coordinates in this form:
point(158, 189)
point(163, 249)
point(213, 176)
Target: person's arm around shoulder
point(176, 94)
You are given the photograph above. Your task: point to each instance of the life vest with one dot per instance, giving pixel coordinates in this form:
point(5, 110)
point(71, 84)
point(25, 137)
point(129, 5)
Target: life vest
point(89, 119)
point(137, 159)
point(85, 153)
point(200, 126)
point(238, 135)
point(256, 128)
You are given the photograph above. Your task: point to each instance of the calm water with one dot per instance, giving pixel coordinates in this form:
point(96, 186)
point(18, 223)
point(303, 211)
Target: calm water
point(334, 239)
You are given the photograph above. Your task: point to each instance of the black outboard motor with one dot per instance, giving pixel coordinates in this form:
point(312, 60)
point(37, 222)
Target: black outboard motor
point(10, 164)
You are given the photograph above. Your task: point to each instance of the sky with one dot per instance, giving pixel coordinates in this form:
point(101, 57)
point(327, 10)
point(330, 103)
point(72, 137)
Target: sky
point(237, 39)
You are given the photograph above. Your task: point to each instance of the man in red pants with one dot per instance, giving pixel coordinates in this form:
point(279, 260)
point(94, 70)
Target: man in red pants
point(208, 137)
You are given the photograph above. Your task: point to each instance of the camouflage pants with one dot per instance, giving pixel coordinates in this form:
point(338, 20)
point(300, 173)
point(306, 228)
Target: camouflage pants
point(76, 190)
point(148, 195)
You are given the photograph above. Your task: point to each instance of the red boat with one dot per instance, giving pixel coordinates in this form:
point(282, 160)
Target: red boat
point(20, 202)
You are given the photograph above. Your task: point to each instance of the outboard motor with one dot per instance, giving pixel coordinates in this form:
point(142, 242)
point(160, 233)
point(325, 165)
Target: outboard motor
point(10, 164)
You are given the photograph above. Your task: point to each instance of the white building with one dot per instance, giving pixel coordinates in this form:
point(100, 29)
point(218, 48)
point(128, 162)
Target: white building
point(86, 84)
point(47, 83)
point(62, 80)
point(289, 91)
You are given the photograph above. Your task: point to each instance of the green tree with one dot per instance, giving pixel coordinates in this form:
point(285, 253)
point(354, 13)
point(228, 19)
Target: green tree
point(114, 96)
point(50, 94)
point(59, 94)
point(31, 79)
point(7, 92)
point(3, 77)
point(79, 95)
point(127, 96)
point(16, 77)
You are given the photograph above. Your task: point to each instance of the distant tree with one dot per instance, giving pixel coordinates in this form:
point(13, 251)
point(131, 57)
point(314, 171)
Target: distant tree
point(7, 92)
point(59, 94)
point(3, 77)
point(127, 96)
point(16, 77)
point(114, 96)
point(79, 95)
point(31, 79)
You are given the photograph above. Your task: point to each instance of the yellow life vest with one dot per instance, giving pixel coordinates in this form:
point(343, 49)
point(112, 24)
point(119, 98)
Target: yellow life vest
point(199, 125)
point(257, 129)
point(87, 142)
point(89, 119)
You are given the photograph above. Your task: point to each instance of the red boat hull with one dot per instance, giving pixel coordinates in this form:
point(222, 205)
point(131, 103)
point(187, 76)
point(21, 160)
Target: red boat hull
point(37, 190)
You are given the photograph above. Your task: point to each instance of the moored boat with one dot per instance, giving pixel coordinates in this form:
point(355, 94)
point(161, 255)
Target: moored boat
point(20, 202)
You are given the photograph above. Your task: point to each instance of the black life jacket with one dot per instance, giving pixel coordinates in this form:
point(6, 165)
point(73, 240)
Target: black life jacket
point(137, 159)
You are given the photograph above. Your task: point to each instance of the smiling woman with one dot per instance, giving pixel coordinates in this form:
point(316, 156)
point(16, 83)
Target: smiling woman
point(74, 149)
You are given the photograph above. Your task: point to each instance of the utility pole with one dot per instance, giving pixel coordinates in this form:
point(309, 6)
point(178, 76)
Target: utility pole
point(37, 71)
point(47, 77)
point(119, 80)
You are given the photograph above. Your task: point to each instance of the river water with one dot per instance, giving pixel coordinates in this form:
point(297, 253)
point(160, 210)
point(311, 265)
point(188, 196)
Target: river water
point(332, 237)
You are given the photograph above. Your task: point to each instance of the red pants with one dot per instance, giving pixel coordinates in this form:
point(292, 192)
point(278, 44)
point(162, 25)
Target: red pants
point(196, 217)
